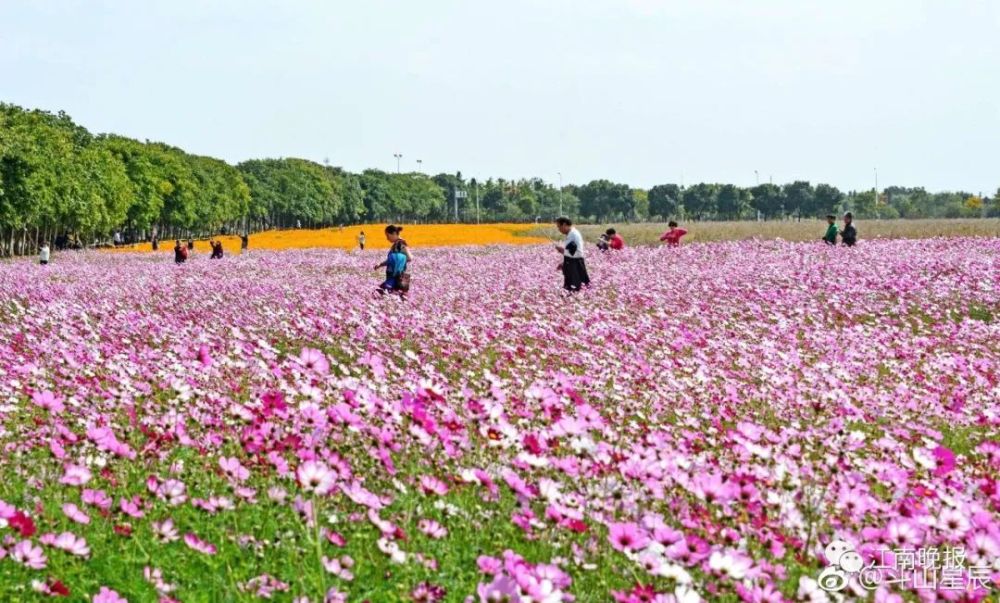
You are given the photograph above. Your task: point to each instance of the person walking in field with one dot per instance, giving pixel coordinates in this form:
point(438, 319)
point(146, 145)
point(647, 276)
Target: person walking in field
point(830, 238)
point(361, 240)
point(573, 266)
point(244, 242)
point(849, 235)
point(396, 264)
point(190, 244)
point(673, 236)
point(43, 254)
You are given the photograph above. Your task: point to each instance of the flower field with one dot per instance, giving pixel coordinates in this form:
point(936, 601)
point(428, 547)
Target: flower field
point(698, 425)
point(419, 235)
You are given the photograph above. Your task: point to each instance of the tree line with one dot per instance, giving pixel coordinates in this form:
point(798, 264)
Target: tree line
point(61, 183)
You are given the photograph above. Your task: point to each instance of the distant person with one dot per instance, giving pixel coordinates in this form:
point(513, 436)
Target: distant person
point(244, 242)
point(396, 264)
point(673, 236)
point(156, 244)
point(118, 239)
point(849, 235)
point(180, 253)
point(361, 240)
point(573, 266)
point(298, 224)
point(216, 250)
point(830, 238)
point(615, 240)
point(43, 254)
point(602, 243)
point(190, 244)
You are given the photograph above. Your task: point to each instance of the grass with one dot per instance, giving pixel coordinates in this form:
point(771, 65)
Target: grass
point(806, 230)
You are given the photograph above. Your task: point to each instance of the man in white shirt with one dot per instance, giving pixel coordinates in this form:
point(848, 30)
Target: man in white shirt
point(574, 268)
point(43, 254)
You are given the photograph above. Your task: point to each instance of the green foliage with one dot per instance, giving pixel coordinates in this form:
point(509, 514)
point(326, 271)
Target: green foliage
point(605, 200)
point(665, 201)
point(56, 179)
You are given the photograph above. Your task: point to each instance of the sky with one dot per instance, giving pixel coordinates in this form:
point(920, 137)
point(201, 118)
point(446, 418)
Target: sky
point(638, 91)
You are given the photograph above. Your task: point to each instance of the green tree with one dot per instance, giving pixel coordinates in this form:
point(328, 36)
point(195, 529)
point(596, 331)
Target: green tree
point(665, 201)
point(768, 199)
point(733, 202)
point(701, 200)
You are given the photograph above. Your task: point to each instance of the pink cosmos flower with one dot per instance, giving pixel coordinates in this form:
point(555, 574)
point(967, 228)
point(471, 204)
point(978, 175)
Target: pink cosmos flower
point(502, 589)
point(165, 530)
point(73, 544)
point(953, 523)
point(173, 491)
point(48, 401)
point(74, 513)
point(714, 488)
point(316, 477)
point(432, 485)
point(27, 553)
point(197, 544)
point(314, 360)
point(731, 563)
point(233, 469)
point(489, 565)
point(131, 507)
point(106, 595)
point(75, 475)
point(339, 567)
point(97, 498)
point(904, 533)
point(627, 537)
point(432, 529)
point(982, 549)
point(264, 586)
point(155, 577)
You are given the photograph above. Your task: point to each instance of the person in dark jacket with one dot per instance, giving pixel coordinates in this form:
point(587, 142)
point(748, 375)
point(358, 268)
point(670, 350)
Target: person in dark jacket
point(180, 253)
point(849, 235)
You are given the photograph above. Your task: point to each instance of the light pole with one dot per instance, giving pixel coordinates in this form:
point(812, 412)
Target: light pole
point(420, 164)
point(398, 156)
point(757, 175)
point(876, 185)
point(560, 195)
point(475, 187)
point(877, 213)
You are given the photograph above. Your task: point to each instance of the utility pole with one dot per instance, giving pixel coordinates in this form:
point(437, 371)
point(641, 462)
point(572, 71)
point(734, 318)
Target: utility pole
point(398, 156)
point(560, 195)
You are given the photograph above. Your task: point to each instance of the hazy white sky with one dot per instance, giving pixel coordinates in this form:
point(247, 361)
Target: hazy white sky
point(639, 91)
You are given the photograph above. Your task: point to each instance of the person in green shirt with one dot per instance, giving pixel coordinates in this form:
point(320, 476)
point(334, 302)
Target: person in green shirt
point(831, 230)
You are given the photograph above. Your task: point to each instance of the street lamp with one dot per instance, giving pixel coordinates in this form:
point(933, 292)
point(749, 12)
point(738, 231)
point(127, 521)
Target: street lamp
point(757, 175)
point(878, 214)
point(560, 195)
point(398, 156)
point(420, 164)
point(876, 185)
